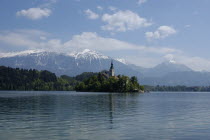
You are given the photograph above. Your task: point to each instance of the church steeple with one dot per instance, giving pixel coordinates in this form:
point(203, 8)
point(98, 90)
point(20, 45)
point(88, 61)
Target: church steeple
point(111, 70)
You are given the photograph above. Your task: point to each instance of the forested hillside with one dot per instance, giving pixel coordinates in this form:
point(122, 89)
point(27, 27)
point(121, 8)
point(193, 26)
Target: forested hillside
point(22, 79)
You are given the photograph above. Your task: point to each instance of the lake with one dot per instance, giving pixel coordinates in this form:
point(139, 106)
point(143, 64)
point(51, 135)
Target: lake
point(56, 115)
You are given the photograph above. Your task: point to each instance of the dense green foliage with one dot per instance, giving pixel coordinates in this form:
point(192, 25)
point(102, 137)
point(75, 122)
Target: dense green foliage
point(22, 79)
point(98, 83)
point(85, 75)
point(79, 78)
point(178, 88)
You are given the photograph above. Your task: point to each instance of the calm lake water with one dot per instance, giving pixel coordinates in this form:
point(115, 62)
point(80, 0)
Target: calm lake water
point(103, 116)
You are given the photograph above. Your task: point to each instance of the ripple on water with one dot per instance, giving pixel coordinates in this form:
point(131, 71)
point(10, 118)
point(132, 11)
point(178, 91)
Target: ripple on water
point(72, 115)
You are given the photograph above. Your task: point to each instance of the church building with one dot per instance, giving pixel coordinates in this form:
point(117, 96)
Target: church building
point(111, 70)
point(109, 73)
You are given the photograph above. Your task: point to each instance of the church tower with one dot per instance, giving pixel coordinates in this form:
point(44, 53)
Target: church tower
point(111, 70)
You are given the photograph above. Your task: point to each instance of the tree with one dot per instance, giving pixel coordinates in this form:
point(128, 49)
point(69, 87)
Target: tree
point(80, 87)
point(22, 79)
point(112, 84)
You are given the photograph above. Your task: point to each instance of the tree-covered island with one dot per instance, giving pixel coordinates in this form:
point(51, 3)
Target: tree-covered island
point(99, 83)
point(106, 81)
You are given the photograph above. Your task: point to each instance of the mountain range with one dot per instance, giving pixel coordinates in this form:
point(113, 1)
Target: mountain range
point(72, 64)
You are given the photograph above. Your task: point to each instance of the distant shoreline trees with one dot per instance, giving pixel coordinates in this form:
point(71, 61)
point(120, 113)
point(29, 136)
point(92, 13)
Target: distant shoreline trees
point(23, 79)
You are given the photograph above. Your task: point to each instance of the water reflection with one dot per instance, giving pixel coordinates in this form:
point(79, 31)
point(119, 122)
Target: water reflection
point(62, 114)
point(105, 116)
point(111, 109)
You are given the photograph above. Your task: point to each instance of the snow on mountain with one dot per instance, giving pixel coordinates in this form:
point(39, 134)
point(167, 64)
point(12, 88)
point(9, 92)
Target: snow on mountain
point(172, 61)
point(76, 63)
point(88, 54)
point(59, 63)
point(121, 60)
point(21, 53)
point(42, 58)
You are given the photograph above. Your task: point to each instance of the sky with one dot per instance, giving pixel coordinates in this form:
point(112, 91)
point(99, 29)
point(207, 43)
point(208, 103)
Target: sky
point(143, 32)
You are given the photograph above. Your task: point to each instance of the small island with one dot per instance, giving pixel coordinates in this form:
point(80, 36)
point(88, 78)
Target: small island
point(106, 81)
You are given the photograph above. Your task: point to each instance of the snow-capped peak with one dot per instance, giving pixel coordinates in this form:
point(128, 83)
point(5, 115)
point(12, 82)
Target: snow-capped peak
point(121, 60)
point(172, 61)
point(86, 51)
point(85, 54)
point(169, 62)
point(88, 54)
point(21, 53)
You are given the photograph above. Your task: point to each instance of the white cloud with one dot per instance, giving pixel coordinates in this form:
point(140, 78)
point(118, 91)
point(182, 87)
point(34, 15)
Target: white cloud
point(21, 38)
point(34, 13)
point(112, 8)
point(122, 21)
point(93, 41)
point(91, 15)
point(33, 39)
point(48, 3)
point(197, 63)
point(187, 26)
point(28, 40)
point(100, 8)
point(140, 55)
point(43, 38)
point(170, 58)
point(194, 62)
point(144, 60)
point(141, 1)
point(161, 33)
